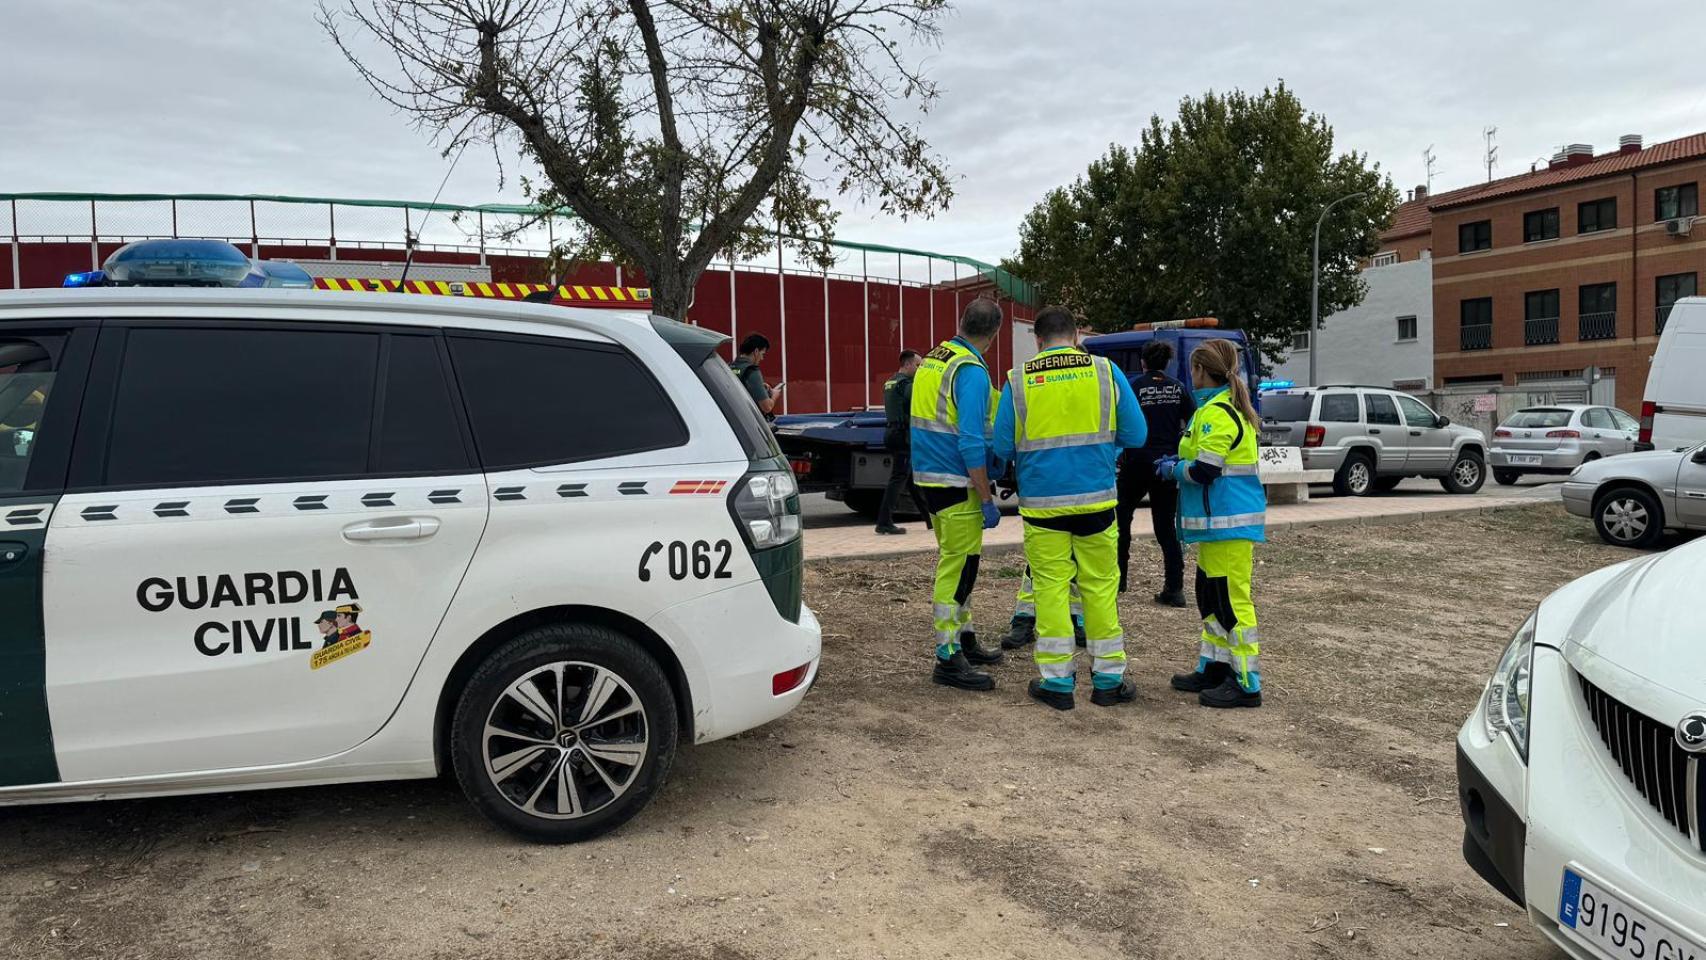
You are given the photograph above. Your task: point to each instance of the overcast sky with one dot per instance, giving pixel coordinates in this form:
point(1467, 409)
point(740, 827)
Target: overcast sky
point(246, 96)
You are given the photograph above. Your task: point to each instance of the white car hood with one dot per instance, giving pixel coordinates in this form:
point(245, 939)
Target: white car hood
point(1644, 622)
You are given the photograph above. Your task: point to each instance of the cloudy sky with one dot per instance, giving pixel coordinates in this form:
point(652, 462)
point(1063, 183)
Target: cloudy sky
point(246, 96)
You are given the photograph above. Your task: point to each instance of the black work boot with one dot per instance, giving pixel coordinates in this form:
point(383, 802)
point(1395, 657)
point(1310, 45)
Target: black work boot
point(957, 672)
point(1229, 695)
point(1022, 632)
point(1126, 692)
point(1195, 682)
point(976, 653)
point(890, 529)
point(1054, 698)
point(1173, 597)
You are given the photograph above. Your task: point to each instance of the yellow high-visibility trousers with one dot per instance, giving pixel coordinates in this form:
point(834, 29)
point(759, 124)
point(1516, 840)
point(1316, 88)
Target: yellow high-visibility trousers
point(1025, 604)
point(1056, 558)
point(959, 549)
point(1224, 598)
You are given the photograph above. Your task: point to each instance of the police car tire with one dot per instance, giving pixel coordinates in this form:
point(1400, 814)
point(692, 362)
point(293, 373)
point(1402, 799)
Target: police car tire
point(539, 647)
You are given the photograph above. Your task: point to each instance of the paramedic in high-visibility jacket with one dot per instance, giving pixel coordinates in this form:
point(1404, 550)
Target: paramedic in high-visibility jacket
point(1063, 417)
point(1222, 510)
point(952, 408)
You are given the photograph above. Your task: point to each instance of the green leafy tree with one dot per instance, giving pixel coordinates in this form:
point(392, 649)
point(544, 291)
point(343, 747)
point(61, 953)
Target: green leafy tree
point(669, 128)
point(1213, 215)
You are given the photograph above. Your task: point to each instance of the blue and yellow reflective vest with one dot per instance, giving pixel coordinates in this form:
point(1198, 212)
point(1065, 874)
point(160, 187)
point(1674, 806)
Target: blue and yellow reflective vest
point(1063, 418)
point(937, 457)
point(1232, 506)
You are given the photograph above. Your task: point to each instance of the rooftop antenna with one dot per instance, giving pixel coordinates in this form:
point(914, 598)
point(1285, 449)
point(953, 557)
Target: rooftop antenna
point(1428, 161)
point(1489, 135)
point(411, 242)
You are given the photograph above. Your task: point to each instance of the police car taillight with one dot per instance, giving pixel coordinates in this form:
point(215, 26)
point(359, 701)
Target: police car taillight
point(766, 505)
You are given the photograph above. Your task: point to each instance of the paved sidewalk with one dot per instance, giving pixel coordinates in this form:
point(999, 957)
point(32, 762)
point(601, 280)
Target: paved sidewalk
point(850, 536)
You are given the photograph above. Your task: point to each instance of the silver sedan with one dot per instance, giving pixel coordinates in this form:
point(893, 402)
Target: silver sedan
point(1632, 499)
point(1557, 438)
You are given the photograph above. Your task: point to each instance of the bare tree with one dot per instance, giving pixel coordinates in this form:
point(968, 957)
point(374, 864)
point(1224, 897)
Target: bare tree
point(668, 128)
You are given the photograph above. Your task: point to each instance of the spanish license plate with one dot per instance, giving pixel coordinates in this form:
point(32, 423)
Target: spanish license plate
point(1524, 459)
point(1615, 929)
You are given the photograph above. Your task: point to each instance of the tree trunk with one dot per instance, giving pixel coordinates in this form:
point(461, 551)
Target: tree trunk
point(671, 293)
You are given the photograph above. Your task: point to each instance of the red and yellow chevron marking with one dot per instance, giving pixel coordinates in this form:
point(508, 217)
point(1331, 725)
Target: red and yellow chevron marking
point(690, 487)
point(567, 293)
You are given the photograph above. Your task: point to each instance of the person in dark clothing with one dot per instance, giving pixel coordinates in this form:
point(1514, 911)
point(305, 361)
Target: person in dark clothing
point(897, 439)
point(1167, 407)
point(745, 367)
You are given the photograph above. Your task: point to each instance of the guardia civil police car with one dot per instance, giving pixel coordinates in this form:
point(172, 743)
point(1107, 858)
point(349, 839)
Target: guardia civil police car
point(255, 538)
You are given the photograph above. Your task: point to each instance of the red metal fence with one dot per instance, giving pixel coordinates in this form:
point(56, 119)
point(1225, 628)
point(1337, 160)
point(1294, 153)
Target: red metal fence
point(835, 337)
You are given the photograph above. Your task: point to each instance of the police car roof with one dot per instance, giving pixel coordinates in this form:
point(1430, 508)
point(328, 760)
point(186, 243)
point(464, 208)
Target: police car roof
point(325, 306)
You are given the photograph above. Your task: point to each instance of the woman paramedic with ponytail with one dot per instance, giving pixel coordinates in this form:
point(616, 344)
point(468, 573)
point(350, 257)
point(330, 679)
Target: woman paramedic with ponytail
point(1221, 510)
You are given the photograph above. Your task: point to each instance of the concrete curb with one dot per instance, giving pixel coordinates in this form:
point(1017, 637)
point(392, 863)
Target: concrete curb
point(928, 544)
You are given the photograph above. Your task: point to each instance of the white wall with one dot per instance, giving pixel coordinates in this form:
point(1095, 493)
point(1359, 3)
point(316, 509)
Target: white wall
point(1361, 345)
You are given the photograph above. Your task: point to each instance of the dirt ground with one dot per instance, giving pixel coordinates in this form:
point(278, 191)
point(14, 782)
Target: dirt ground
point(888, 817)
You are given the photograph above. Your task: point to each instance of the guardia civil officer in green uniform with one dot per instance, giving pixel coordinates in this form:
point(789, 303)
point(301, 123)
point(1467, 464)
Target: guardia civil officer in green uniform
point(897, 438)
point(1222, 509)
point(952, 406)
point(1063, 418)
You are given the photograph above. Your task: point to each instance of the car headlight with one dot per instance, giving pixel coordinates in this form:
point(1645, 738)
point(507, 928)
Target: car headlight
point(1506, 705)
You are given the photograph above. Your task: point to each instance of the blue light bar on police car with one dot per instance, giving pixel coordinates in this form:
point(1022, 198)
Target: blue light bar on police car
point(88, 278)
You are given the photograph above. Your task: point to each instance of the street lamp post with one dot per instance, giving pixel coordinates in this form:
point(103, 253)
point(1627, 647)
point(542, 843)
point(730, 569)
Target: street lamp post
point(1315, 287)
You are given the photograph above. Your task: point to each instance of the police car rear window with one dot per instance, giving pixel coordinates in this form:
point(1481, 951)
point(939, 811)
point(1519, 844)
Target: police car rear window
point(538, 401)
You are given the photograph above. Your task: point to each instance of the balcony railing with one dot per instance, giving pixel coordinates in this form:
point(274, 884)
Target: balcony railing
point(1660, 315)
point(1539, 330)
point(1598, 326)
point(1476, 336)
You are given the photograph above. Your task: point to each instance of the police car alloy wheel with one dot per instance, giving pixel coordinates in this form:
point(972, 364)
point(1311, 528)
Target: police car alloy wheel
point(564, 733)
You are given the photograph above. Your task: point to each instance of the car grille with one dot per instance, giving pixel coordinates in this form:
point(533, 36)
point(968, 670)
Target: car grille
point(1670, 778)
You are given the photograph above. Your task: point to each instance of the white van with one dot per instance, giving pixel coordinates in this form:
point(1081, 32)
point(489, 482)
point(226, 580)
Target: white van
point(1673, 411)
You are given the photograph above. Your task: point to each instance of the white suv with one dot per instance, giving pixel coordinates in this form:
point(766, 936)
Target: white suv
point(1582, 772)
point(254, 538)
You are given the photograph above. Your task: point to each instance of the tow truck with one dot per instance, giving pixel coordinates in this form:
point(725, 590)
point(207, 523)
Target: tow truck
point(842, 456)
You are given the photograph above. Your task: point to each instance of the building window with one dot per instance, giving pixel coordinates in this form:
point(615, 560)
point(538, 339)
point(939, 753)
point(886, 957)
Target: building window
point(1475, 236)
point(1596, 215)
point(1540, 317)
point(1540, 225)
point(1597, 311)
point(1477, 324)
point(1671, 289)
point(1300, 341)
point(1406, 328)
point(1386, 259)
point(1682, 200)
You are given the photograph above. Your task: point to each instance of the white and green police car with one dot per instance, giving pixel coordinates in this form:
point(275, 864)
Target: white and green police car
point(255, 538)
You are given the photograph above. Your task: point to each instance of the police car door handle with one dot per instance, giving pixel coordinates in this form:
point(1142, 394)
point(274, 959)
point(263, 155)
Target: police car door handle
point(392, 528)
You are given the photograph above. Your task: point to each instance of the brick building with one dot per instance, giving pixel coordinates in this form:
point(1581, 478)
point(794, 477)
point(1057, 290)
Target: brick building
point(1538, 276)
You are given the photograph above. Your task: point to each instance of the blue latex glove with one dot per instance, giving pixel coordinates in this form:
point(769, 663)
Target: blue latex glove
point(991, 515)
point(1165, 466)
